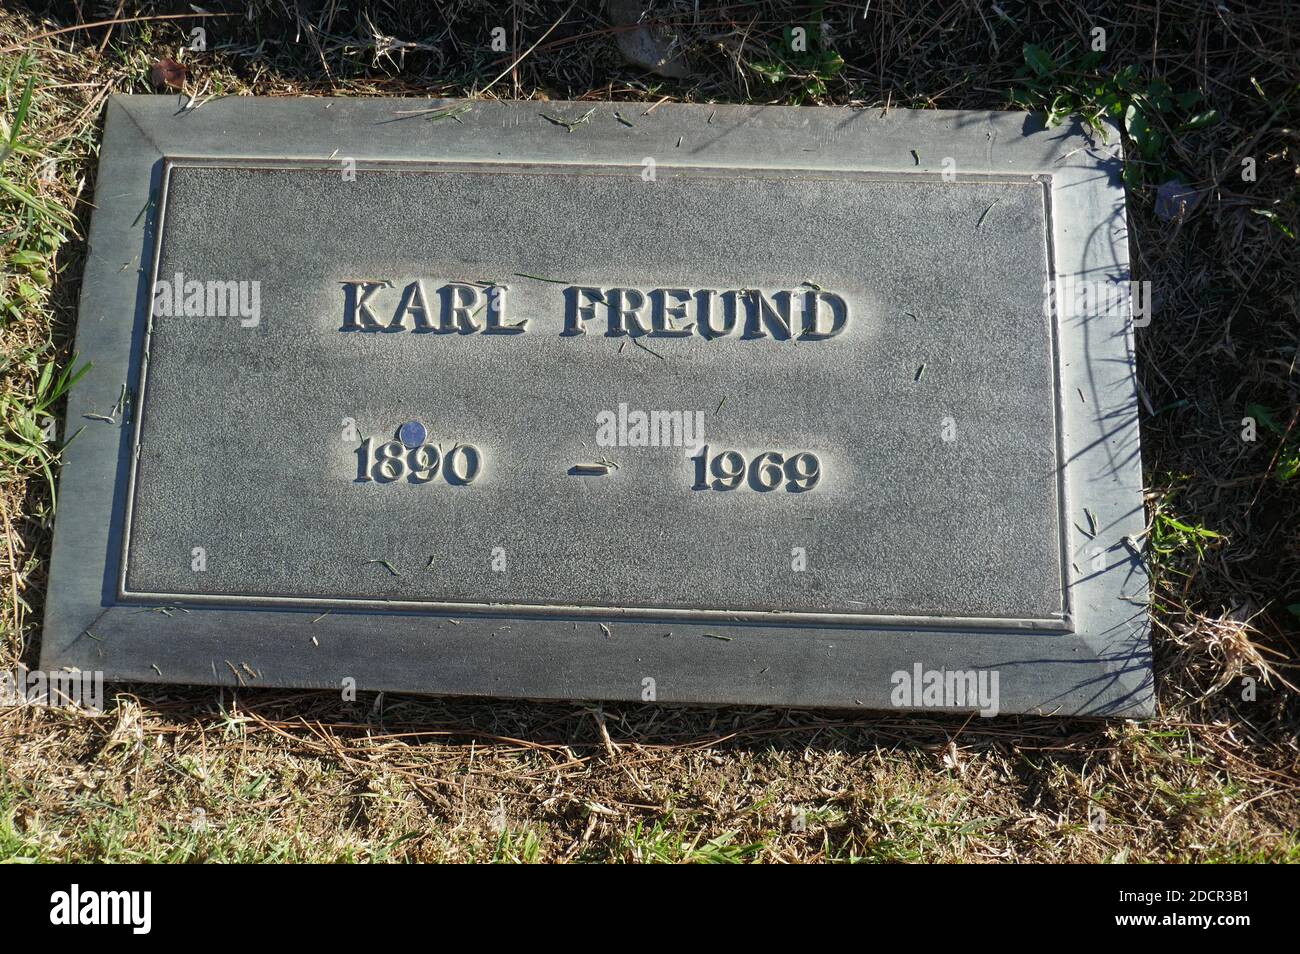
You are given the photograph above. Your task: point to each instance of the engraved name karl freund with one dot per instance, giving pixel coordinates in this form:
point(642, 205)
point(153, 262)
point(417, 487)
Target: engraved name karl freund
point(808, 314)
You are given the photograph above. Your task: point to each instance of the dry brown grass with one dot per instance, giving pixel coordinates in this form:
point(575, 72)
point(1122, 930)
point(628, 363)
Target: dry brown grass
point(180, 773)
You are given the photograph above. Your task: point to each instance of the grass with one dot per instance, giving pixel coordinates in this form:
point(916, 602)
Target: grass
point(29, 428)
point(1205, 94)
point(666, 844)
point(1145, 107)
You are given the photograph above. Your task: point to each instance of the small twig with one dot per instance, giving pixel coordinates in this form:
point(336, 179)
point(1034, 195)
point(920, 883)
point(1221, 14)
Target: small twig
point(524, 55)
point(648, 350)
point(567, 124)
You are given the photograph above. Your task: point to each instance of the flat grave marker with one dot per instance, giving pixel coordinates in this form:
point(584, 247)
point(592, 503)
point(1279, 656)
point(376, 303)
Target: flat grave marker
point(769, 405)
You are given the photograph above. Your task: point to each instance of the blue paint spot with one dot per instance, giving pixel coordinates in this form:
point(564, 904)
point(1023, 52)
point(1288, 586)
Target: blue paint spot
point(412, 434)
